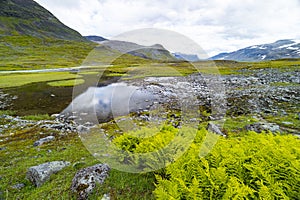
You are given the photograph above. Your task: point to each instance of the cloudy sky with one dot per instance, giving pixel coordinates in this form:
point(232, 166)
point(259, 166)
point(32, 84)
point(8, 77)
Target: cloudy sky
point(216, 25)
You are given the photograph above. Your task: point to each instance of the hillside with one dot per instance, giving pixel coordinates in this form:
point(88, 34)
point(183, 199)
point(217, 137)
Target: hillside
point(26, 17)
point(32, 38)
point(278, 50)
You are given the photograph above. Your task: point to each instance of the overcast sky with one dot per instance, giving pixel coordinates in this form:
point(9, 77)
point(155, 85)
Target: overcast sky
point(216, 25)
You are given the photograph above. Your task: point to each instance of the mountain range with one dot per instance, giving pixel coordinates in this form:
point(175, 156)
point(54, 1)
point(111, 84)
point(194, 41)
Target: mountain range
point(154, 52)
point(187, 57)
point(37, 38)
point(278, 50)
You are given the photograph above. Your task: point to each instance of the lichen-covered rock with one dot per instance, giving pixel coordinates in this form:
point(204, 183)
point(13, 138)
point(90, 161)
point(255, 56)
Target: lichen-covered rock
point(43, 140)
point(38, 175)
point(85, 179)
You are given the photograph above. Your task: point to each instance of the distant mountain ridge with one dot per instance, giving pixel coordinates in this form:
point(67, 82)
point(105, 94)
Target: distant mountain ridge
point(26, 17)
point(278, 50)
point(95, 38)
point(186, 57)
point(154, 52)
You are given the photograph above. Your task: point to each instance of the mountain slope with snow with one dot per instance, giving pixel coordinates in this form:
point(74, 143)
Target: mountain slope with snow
point(277, 50)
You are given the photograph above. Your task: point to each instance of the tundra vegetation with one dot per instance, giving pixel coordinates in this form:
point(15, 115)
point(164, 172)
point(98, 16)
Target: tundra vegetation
point(245, 164)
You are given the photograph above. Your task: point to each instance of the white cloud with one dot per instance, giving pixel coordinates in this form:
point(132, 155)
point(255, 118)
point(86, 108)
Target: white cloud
point(216, 25)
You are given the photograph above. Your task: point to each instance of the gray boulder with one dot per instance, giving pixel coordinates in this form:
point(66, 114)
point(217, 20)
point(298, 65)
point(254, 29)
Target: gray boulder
point(43, 140)
point(86, 179)
point(38, 175)
point(261, 126)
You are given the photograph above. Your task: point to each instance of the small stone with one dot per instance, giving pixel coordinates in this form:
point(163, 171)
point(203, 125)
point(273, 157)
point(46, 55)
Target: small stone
point(82, 128)
point(38, 175)
point(287, 123)
point(55, 115)
point(106, 197)
point(85, 179)
point(215, 129)
point(72, 117)
point(18, 186)
point(43, 140)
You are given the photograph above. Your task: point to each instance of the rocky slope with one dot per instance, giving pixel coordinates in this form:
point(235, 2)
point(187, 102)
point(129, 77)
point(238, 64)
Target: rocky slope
point(278, 50)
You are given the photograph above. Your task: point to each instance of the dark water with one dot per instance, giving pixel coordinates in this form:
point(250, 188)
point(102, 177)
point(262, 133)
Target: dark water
point(40, 98)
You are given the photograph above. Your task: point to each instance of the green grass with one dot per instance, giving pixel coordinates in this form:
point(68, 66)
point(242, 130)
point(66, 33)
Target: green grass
point(20, 154)
point(37, 117)
point(283, 84)
point(290, 120)
point(14, 80)
point(7, 112)
point(235, 125)
point(122, 185)
point(225, 67)
point(26, 52)
point(66, 83)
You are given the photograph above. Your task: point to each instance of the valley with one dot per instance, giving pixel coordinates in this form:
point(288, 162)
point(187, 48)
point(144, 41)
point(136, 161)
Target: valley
point(257, 98)
point(90, 117)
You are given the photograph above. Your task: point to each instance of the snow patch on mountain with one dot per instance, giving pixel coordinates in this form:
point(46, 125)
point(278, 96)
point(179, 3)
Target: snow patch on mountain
point(278, 50)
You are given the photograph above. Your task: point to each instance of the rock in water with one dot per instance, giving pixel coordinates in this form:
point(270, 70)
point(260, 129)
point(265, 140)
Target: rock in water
point(85, 179)
point(43, 140)
point(38, 175)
